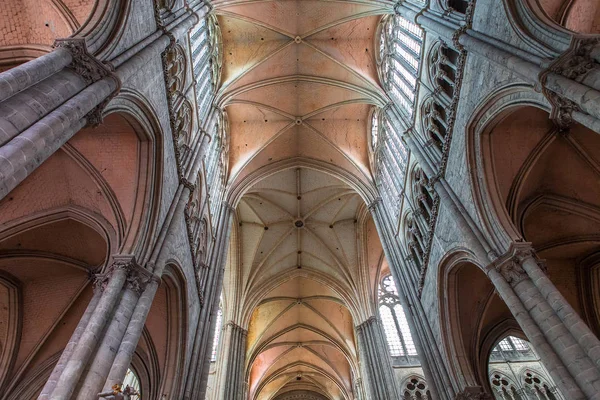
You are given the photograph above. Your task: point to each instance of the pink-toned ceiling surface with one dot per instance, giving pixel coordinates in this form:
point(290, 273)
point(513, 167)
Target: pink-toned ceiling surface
point(299, 82)
point(300, 264)
point(299, 79)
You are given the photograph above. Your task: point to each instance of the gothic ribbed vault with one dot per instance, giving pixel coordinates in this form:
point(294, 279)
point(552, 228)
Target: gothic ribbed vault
point(299, 78)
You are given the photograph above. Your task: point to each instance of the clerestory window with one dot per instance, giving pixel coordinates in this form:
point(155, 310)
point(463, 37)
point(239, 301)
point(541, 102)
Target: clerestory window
point(400, 46)
point(218, 329)
point(391, 159)
point(394, 321)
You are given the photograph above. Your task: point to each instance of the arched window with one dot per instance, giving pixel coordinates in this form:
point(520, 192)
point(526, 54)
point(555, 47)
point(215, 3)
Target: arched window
point(536, 387)
point(399, 59)
point(503, 388)
point(516, 373)
point(216, 164)
point(132, 380)
point(218, 329)
point(394, 322)
point(205, 42)
point(391, 159)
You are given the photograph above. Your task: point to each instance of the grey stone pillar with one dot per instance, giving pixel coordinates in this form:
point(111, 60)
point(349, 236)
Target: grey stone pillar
point(111, 284)
point(565, 345)
point(100, 365)
point(83, 375)
point(195, 385)
point(68, 350)
point(231, 372)
point(375, 361)
point(43, 111)
point(431, 359)
point(132, 336)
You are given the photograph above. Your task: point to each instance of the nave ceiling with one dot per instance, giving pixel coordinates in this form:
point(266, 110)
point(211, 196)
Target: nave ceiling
point(299, 82)
point(304, 251)
point(299, 79)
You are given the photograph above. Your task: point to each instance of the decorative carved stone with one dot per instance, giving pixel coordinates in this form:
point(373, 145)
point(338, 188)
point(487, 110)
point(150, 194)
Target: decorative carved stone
point(137, 277)
point(576, 62)
point(84, 64)
point(91, 70)
point(512, 271)
point(562, 111)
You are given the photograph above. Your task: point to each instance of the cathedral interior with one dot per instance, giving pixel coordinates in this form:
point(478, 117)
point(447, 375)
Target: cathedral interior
point(300, 199)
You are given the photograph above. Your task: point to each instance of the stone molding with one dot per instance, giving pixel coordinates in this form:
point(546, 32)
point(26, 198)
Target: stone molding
point(91, 70)
point(575, 64)
point(509, 265)
point(137, 277)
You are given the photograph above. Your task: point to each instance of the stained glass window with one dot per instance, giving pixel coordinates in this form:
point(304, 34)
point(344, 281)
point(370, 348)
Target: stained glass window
point(394, 321)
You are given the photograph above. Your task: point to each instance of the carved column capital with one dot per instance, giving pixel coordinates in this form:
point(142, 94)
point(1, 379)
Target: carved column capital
point(510, 264)
point(84, 64)
point(136, 279)
point(373, 205)
point(91, 70)
point(562, 111)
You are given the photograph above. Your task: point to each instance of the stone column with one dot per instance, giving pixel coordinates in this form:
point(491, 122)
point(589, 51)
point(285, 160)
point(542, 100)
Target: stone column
point(132, 336)
point(432, 361)
point(375, 360)
point(231, 372)
point(565, 345)
point(68, 351)
point(110, 283)
point(50, 107)
point(100, 365)
point(195, 384)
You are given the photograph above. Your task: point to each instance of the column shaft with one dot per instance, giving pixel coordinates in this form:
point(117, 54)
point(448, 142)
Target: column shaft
point(99, 366)
point(83, 352)
point(68, 351)
point(376, 361)
point(132, 336)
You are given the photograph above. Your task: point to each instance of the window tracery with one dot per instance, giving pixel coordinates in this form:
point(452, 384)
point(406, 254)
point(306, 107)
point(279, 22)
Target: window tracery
point(216, 163)
point(423, 202)
point(132, 380)
point(442, 61)
point(515, 373)
point(415, 388)
point(435, 126)
point(391, 160)
point(504, 388)
point(395, 324)
point(205, 40)
point(537, 388)
point(414, 241)
point(399, 60)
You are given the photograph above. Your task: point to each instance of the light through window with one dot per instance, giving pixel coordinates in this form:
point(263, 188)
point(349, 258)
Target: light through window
point(218, 329)
point(132, 380)
point(391, 159)
point(399, 58)
point(394, 320)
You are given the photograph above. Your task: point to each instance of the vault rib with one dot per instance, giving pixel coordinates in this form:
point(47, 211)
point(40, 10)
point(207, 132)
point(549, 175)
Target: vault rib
point(223, 88)
point(262, 106)
point(256, 22)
